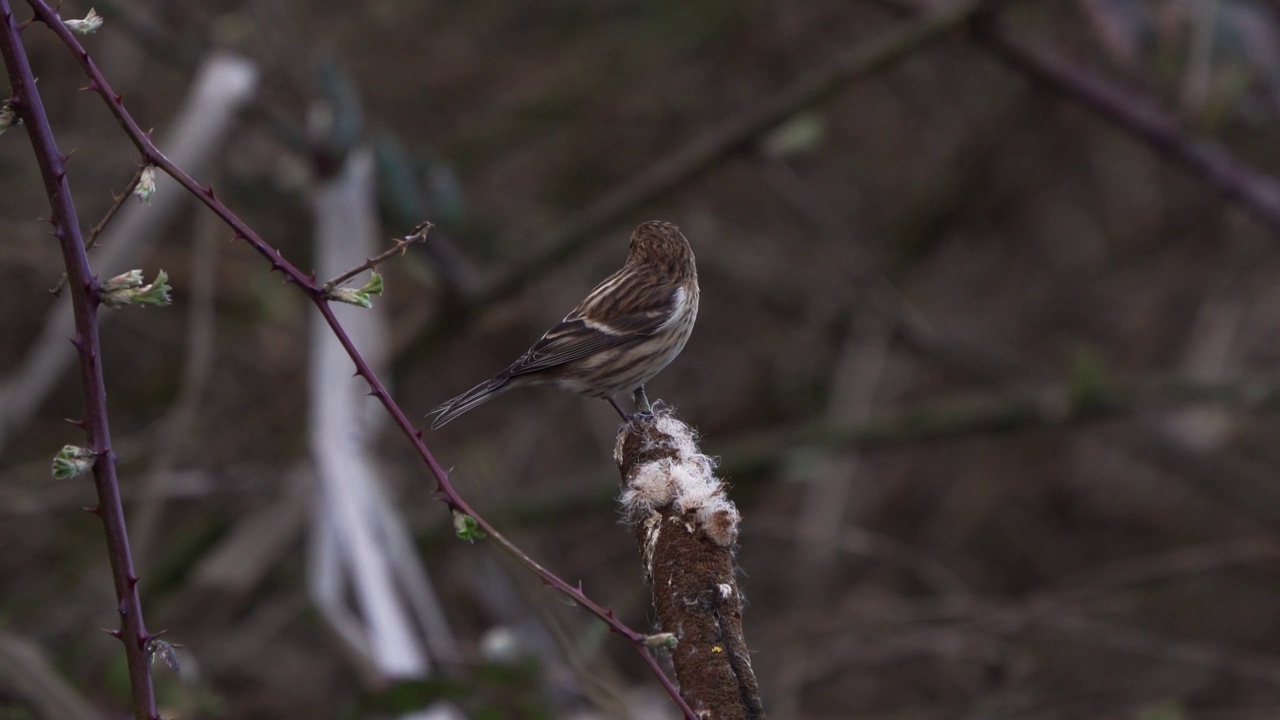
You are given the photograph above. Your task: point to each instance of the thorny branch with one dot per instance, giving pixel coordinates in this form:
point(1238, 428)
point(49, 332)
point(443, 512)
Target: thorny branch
point(317, 294)
point(418, 235)
point(117, 203)
point(91, 241)
point(85, 301)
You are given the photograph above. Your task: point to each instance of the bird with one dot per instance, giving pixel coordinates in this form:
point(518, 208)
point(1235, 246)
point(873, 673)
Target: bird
point(627, 329)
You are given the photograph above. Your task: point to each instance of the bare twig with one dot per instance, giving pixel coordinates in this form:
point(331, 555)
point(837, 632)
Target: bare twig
point(92, 240)
point(1181, 562)
point(1009, 410)
point(447, 493)
point(736, 133)
point(418, 235)
point(1031, 399)
point(1141, 116)
point(85, 302)
point(117, 203)
point(1009, 619)
point(854, 540)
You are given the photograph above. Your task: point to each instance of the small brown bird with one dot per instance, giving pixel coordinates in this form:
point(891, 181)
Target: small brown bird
point(628, 328)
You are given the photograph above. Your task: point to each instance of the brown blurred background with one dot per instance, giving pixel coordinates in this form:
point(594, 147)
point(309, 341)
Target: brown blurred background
point(991, 373)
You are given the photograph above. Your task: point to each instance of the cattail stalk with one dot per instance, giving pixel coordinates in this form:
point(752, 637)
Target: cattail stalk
point(687, 529)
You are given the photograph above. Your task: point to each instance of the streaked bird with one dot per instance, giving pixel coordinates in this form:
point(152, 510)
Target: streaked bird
point(628, 328)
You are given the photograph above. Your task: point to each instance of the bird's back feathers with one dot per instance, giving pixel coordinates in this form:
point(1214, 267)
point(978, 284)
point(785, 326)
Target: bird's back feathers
point(653, 297)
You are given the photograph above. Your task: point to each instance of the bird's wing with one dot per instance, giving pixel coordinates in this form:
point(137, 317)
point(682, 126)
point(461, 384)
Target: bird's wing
point(602, 321)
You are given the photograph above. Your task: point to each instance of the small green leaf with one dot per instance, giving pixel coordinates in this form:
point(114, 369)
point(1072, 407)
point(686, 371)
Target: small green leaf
point(127, 289)
point(359, 297)
point(85, 25)
point(72, 461)
point(466, 527)
point(146, 186)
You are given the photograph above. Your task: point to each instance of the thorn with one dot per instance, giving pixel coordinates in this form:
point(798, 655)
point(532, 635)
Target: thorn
point(78, 423)
point(62, 173)
point(77, 342)
point(118, 97)
point(113, 633)
point(123, 608)
point(417, 432)
point(92, 86)
point(133, 581)
point(208, 191)
point(94, 510)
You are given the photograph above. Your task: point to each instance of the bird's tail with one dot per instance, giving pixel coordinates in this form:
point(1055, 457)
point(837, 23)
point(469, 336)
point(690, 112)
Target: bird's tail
point(483, 392)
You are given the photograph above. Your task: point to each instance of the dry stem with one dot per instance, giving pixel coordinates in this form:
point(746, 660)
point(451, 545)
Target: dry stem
point(686, 527)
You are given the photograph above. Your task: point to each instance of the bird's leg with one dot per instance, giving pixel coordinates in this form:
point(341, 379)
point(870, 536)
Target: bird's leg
point(642, 401)
point(614, 403)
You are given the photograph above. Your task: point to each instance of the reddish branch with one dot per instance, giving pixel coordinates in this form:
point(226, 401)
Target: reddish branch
point(316, 292)
point(85, 303)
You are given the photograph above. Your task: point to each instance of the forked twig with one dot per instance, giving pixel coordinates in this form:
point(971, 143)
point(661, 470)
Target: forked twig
point(117, 202)
point(418, 235)
point(91, 241)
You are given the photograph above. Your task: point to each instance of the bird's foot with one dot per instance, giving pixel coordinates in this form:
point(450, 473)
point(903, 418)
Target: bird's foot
point(642, 401)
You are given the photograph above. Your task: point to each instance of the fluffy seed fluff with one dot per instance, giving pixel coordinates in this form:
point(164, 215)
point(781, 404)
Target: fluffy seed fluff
point(687, 481)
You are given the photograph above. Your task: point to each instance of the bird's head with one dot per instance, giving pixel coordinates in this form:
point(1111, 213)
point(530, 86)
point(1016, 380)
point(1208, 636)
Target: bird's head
point(661, 243)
